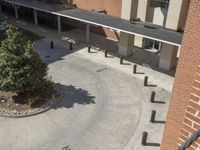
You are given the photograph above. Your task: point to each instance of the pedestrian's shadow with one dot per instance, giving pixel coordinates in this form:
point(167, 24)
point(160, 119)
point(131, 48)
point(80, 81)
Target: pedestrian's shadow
point(73, 95)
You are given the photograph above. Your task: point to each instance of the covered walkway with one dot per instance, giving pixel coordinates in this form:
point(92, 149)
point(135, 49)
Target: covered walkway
point(171, 39)
point(146, 30)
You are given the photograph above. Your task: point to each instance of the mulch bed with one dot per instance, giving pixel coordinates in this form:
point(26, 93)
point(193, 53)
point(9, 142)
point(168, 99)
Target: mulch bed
point(12, 104)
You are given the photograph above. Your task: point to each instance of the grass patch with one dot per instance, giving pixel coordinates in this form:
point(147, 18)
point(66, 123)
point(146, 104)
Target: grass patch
point(30, 35)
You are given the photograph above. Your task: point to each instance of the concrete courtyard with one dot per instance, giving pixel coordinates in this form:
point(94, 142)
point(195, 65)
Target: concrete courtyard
point(105, 107)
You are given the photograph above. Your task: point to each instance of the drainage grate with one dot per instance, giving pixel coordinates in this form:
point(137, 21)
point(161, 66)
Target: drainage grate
point(100, 70)
point(66, 148)
point(47, 56)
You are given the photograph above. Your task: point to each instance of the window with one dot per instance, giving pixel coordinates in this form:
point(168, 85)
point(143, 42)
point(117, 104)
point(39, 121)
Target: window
point(156, 45)
point(160, 3)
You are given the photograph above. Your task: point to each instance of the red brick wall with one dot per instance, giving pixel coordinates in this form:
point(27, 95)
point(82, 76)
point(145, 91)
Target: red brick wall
point(191, 121)
point(112, 7)
point(179, 121)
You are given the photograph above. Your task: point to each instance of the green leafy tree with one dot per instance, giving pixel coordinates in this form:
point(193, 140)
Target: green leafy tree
point(21, 69)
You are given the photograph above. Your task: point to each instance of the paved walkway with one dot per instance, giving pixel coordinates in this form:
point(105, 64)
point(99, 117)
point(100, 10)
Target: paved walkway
point(105, 107)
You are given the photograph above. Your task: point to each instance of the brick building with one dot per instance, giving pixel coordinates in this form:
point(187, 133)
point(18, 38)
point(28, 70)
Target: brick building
point(184, 111)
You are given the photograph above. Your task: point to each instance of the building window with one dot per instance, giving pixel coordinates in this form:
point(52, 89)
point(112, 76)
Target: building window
point(156, 45)
point(160, 3)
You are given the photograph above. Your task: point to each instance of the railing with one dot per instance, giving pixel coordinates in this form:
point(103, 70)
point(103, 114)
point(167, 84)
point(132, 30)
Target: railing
point(190, 140)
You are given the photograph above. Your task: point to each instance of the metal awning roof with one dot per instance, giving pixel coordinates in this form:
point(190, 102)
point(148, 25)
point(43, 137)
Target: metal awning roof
point(142, 29)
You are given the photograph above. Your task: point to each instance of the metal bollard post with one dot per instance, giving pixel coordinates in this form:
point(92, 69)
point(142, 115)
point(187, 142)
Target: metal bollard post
point(144, 138)
point(121, 60)
point(152, 96)
point(89, 49)
point(145, 80)
point(70, 46)
point(51, 45)
point(106, 53)
point(153, 115)
point(134, 68)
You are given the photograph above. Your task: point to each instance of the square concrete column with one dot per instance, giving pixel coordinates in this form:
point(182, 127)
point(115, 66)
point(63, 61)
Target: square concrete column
point(174, 21)
point(35, 17)
point(59, 24)
point(168, 56)
point(87, 33)
point(128, 11)
point(126, 44)
point(177, 13)
point(16, 12)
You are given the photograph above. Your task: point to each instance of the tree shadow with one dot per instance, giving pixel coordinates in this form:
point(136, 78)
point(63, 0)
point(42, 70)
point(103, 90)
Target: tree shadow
point(73, 95)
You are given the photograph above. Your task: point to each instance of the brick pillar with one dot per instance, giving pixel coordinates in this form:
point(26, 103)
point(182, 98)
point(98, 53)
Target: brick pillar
point(186, 85)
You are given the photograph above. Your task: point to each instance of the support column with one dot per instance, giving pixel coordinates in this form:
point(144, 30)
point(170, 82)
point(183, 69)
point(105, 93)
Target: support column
point(174, 21)
point(168, 56)
point(59, 24)
point(16, 12)
point(128, 11)
point(35, 17)
point(126, 44)
point(87, 33)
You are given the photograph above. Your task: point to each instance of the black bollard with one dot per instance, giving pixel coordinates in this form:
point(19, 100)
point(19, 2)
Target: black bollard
point(153, 115)
point(106, 53)
point(70, 46)
point(134, 68)
point(153, 93)
point(51, 45)
point(121, 60)
point(144, 138)
point(89, 49)
point(145, 80)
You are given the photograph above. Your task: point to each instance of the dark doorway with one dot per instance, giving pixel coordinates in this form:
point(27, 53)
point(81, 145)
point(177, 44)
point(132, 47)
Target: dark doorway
point(26, 13)
point(8, 8)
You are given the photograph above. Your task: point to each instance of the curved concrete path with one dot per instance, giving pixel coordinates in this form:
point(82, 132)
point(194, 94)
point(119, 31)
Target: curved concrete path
point(101, 109)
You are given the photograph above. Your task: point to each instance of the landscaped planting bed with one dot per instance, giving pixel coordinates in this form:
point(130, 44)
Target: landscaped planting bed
point(25, 88)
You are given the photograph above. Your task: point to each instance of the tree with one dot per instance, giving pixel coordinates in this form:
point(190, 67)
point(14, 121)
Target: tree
point(21, 69)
